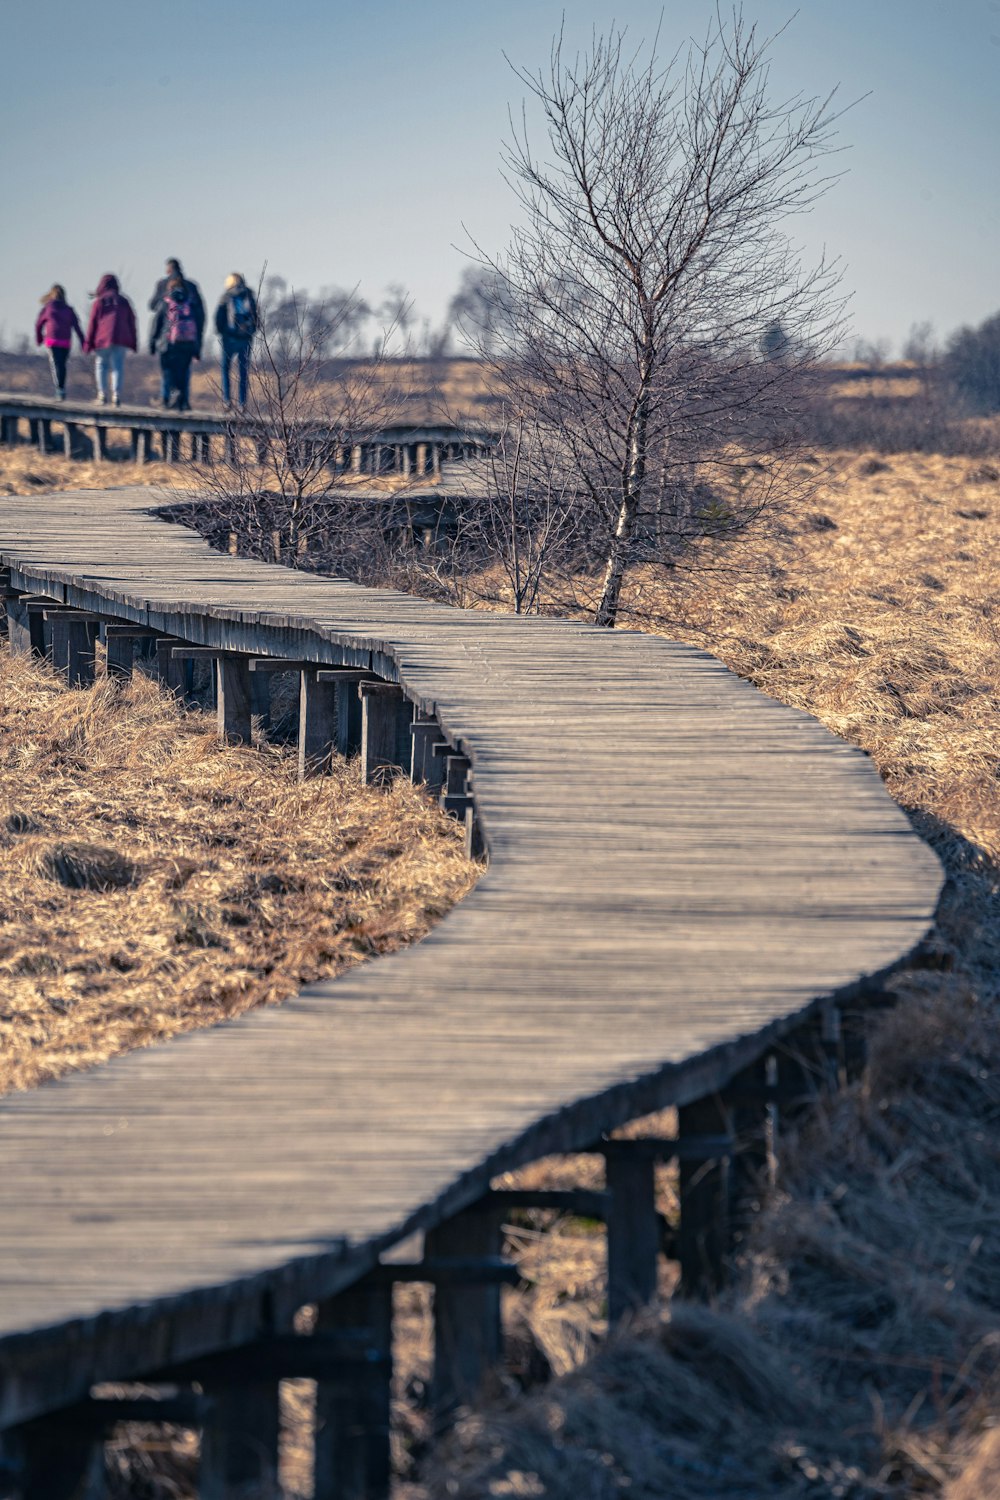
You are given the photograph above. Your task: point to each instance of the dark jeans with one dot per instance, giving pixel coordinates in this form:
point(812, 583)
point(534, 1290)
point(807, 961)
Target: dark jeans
point(175, 375)
point(58, 359)
point(240, 348)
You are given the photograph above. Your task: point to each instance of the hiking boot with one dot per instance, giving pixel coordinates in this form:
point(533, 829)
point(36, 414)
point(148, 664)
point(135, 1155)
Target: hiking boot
point(101, 400)
point(60, 395)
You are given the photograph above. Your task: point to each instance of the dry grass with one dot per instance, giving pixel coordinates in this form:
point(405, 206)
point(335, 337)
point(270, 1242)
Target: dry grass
point(153, 881)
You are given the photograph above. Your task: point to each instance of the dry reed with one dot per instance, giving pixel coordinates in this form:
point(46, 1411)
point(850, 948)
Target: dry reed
point(154, 881)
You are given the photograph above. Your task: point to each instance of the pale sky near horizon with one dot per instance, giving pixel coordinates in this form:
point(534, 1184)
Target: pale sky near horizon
point(349, 145)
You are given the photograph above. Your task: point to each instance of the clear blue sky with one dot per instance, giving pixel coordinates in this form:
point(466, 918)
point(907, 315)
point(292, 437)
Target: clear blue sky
point(348, 143)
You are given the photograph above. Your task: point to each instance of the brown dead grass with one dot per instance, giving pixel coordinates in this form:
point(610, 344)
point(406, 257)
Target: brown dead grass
point(153, 881)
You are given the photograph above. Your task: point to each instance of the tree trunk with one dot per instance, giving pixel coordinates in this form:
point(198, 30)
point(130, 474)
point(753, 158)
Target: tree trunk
point(632, 482)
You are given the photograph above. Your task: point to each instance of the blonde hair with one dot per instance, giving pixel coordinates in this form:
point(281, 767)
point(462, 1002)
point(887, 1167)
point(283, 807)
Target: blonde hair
point(55, 293)
point(234, 280)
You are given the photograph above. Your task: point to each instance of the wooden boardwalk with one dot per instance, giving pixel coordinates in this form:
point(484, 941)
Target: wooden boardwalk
point(81, 429)
point(680, 870)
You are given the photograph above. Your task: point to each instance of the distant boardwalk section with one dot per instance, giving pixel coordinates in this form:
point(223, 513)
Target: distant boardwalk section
point(80, 429)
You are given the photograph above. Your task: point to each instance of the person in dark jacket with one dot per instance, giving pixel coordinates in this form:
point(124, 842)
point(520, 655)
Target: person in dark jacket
point(176, 336)
point(160, 290)
point(54, 327)
point(236, 324)
point(110, 331)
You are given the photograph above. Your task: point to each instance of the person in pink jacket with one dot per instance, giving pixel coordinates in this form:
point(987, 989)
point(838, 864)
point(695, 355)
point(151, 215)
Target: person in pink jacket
point(54, 327)
point(110, 332)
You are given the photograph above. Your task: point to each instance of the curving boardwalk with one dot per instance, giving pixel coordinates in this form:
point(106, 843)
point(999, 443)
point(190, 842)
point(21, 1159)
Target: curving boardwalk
point(680, 868)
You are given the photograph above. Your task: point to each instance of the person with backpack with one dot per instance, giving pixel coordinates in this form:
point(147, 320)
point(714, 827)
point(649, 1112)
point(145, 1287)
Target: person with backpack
point(160, 290)
point(110, 331)
point(236, 324)
point(54, 327)
point(176, 336)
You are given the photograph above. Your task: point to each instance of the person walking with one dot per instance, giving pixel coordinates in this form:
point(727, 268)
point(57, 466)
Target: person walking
point(110, 331)
point(176, 336)
point(173, 268)
point(236, 324)
point(54, 327)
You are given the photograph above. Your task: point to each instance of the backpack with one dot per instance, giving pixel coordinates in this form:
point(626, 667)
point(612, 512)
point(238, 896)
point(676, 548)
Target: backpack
point(181, 325)
point(242, 322)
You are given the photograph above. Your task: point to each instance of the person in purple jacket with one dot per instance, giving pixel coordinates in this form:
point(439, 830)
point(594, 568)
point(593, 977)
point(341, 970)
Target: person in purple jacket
point(54, 328)
point(110, 332)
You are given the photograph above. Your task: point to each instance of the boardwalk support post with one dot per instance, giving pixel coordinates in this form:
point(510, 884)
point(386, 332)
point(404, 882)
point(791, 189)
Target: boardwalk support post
point(239, 1443)
point(56, 1460)
point(234, 702)
point(120, 646)
point(74, 640)
point(351, 1453)
point(749, 1100)
point(18, 626)
point(704, 1233)
point(386, 714)
point(349, 709)
point(633, 1227)
point(468, 1333)
point(317, 723)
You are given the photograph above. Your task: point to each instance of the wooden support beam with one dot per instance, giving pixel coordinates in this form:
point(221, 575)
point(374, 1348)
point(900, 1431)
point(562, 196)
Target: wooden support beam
point(19, 626)
point(240, 1441)
point(169, 670)
point(71, 440)
point(100, 443)
point(233, 701)
point(119, 654)
point(468, 1333)
point(633, 1231)
point(55, 1460)
point(693, 1146)
point(451, 1270)
point(704, 1233)
point(336, 1354)
point(386, 714)
point(749, 1101)
point(74, 642)
point(426, 768)
point(318, 721)
point(351, 1453)
point(264, 664)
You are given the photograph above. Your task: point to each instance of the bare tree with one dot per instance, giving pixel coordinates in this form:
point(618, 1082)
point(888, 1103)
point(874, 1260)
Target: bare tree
point(521, 516)
point(652, 259)
point(480, 310)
